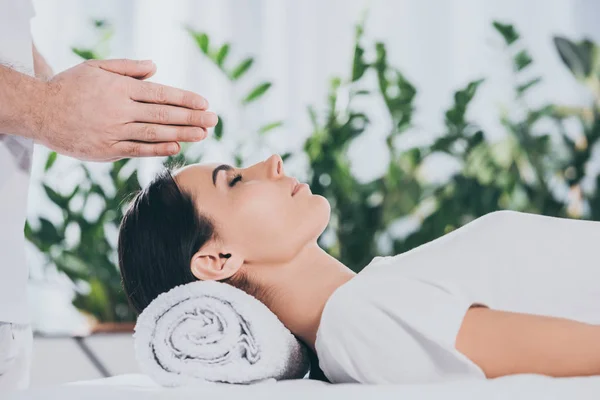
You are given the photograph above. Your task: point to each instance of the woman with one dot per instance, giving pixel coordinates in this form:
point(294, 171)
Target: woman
point(508, 293)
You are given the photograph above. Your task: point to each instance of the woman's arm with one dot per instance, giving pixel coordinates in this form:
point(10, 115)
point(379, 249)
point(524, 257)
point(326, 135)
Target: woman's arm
point(504, 343)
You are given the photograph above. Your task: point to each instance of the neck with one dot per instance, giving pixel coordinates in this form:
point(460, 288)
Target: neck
point(301, 287)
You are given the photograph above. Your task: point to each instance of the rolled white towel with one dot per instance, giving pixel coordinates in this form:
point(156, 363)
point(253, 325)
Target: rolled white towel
point(213, 332)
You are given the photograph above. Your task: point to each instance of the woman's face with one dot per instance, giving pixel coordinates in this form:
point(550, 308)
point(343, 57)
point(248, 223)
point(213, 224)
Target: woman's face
point(260, 212)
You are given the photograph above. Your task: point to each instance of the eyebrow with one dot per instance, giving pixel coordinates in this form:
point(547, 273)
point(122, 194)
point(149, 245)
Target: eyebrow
point(222, 167)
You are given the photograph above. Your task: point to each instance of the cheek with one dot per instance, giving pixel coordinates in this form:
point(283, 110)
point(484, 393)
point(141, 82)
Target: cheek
point(273, 227)
point(263, 213)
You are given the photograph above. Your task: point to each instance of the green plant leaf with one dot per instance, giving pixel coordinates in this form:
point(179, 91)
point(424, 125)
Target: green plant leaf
point(578, 57)
point(50, 161)
point(86, 54)
point(257, 92)
point(521, 89)
point(69, 263)
point(95, 188)
point(475, 140)
point(242, 68)
point(56, 198)
point(222, 54)
point(522, 60)
point(463, 97)
point(219, 129)
point(238, 161)
point(202, 41)
point(101, 23)
point(269, 127)
point(314, 119)
point(117, 166)
point(29, 234)
point(48, 232)
point(544, 111)
point(507, 31)
point(335, 83)
point(73, 193)
point(128, 186)
point(285, 156)
point(98, 299)
point(358, 65)
point(455, 117)
point(381, 59)
point(132, 184)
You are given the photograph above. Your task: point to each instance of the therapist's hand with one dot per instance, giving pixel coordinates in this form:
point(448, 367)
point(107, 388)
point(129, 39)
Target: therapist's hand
point(104, 111)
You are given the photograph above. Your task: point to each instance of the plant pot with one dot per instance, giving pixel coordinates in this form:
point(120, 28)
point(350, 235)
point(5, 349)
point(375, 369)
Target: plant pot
point(112, 327)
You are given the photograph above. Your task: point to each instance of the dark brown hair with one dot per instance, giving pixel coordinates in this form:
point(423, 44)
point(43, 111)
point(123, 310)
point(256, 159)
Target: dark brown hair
point(159, 234)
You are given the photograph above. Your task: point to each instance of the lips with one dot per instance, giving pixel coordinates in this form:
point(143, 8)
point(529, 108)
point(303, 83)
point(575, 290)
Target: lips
point(295, 186)
point(298, 186)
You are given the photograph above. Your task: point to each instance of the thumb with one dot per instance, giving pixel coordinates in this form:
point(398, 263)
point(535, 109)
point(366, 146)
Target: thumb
point(133, 68)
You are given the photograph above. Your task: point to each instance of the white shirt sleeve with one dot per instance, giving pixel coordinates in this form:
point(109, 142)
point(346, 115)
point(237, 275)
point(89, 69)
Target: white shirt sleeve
point(382, 327)
point(15, 162)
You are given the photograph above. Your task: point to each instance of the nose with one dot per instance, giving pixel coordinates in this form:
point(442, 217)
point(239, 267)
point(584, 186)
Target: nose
point(274, 166)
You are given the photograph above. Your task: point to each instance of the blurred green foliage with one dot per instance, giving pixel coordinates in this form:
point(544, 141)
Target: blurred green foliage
point(92, 259)
point(536, 167)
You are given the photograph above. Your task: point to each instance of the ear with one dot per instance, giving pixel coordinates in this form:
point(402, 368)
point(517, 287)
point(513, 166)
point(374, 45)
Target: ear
point(213, 263)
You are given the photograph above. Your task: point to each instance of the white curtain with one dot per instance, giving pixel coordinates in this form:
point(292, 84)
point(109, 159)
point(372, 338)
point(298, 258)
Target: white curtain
point(299, 45)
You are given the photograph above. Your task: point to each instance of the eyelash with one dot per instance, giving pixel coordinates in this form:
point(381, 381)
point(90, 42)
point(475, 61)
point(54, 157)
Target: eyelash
point(237, 178)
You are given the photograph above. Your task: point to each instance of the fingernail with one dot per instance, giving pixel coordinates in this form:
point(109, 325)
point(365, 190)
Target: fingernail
point(147, 62)
point(173, 148)
point(201, 103)
point(211, 119)
point(198, 134)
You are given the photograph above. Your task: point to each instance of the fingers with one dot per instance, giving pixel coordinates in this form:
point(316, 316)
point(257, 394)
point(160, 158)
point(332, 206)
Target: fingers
point(164, 133)
point(132, 149)
point(171, 115)
point(147, 92)
point(151, 140)
point(133, 68)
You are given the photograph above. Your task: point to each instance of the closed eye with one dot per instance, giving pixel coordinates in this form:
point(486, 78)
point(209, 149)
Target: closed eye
point(237, 178)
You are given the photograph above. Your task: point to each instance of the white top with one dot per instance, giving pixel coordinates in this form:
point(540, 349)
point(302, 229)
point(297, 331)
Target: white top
point(397, 320)
point(15, 162)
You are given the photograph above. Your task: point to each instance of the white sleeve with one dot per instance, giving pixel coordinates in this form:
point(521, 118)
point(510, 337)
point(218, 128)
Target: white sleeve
point(394, 330)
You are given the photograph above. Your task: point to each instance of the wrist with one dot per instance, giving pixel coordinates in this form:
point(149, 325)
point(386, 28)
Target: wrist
point(37, 110)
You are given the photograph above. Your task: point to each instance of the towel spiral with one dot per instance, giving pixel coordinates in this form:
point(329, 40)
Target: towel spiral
point(210, 331)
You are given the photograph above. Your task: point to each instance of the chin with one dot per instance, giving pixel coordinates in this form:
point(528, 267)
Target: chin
point(322, 210)
point(313, 217)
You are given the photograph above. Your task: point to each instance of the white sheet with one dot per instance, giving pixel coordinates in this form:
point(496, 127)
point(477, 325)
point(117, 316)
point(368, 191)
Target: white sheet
point(137, 387)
